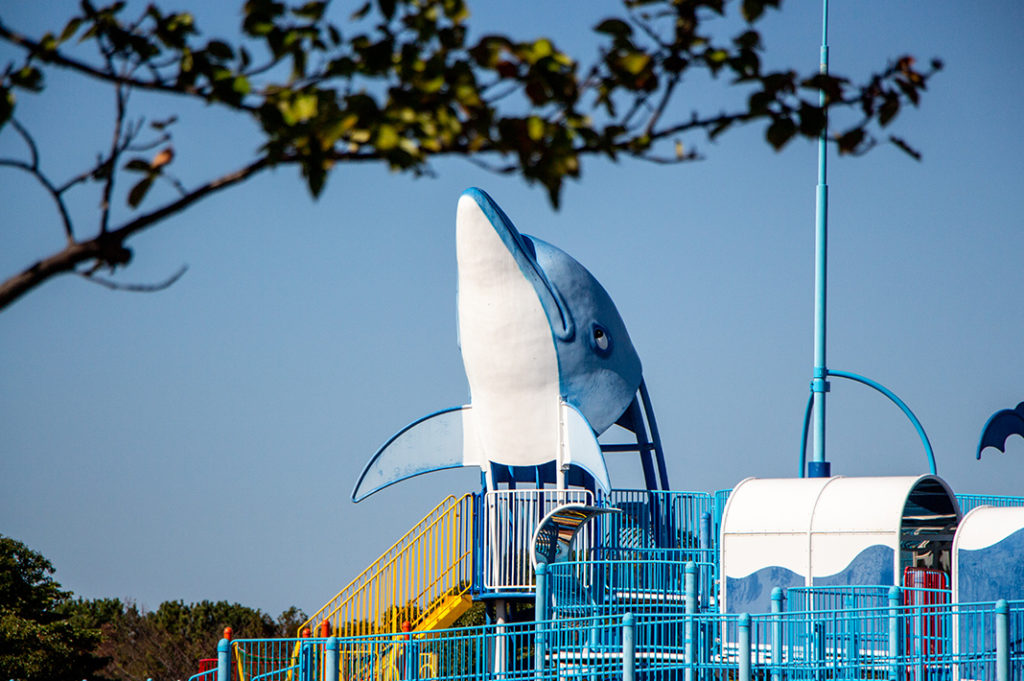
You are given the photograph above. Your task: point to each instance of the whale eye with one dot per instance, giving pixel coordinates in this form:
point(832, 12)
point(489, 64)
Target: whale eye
point(600, 341)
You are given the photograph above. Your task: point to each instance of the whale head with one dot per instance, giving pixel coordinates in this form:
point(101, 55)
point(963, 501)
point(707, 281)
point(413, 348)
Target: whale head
point(535, 328)
point(548, 359)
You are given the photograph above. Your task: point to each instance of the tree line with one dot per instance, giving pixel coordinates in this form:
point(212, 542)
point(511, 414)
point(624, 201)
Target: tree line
point(47, 634)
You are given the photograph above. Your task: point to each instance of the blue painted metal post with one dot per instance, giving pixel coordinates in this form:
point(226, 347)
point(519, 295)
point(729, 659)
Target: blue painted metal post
point(690, 604)
point(704, 538)
point(331, 656)
point(224, 660)
point(895, 627)
point(1002, 641)
point(850, 634)
point(819, 467)
point(628, 648)
point(743, 626)
point(777, 634)
point(540, 614)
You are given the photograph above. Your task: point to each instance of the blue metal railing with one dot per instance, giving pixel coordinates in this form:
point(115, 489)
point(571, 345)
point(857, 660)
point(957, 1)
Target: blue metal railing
point(208, 675)
point(971, 501)
point(979, 641)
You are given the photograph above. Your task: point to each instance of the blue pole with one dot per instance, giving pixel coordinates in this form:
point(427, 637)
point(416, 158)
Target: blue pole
point(776, 634)
point(704, 538)
point(690, 605)
point(224, 660)
point(539, 615)
point(628, 648)
point(743, 625)
point(819, 467)
point(331, 655)
point(1002, 641)
point(895, 628)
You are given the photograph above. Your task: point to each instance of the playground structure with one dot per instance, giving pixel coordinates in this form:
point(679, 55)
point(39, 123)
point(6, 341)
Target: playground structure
point(641, 593)
point(816, 577)
point(806, 578)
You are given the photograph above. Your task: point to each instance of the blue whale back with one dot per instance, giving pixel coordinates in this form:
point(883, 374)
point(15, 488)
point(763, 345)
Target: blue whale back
point(599, 369)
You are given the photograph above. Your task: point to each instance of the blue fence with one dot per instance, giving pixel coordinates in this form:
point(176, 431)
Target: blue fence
point(617, 587)
point(972, 501)
point(973, 641)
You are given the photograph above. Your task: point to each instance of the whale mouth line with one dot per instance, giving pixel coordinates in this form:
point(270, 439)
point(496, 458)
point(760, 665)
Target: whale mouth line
point(562, 324)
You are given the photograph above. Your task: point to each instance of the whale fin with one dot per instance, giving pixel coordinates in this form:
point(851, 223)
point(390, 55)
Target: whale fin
point(445, 439)
point(581, 446)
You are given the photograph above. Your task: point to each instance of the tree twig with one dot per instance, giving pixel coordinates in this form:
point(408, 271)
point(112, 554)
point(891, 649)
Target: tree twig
point(135, 288)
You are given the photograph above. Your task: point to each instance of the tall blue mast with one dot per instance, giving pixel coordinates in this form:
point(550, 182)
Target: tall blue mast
point(818, 466)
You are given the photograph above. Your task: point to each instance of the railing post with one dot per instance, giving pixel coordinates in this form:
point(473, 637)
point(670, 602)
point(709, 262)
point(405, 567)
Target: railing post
point(690, 603)
point(1002, 640)
point(331, 650)
point(540, 610)
point(411, 667)
point(628, 648)
point(777, 634)
point(894, 633)
point(224, 660)
point(850, 635)
point(743, 625)
point(704, 538)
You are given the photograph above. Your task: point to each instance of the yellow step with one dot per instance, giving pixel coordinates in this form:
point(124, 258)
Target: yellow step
point(446, 612)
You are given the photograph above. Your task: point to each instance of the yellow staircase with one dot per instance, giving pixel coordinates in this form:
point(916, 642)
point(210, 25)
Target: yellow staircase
point(423, 579)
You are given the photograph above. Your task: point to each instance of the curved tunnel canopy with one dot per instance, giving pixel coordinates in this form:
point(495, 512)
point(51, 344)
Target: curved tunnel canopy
point(986, 555)
point(552, 541)
point(831, 531)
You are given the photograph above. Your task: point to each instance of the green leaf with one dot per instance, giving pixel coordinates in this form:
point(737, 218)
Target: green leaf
point(220, 50)
point(313, 11)
point(138, 165)
point(302, 108)
point(812, 120)
point(6, 105)
point(139, 191)
point(387, 8)
point(70, 29)
point(361, 12)
point(535, 128)
point(387, 137)
point(614, 27)
point(752, 10)
point(780, 132)
point(634, 62)
point(850, 140)
point(28, 77)
point(890, 107)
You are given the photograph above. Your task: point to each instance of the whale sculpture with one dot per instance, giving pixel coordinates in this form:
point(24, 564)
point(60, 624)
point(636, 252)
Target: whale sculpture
point(548, 359)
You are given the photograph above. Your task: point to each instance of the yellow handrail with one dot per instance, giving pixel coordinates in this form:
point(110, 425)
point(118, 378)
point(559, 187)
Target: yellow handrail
point(431, 560)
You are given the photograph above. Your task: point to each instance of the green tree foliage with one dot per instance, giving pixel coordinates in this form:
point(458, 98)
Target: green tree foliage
point(40, 635)
point(401, 82)
point(168, 642)
point(47, 635)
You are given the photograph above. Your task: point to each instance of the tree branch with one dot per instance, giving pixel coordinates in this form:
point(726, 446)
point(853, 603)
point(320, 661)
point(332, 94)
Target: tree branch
point(135, 288)
point(109, 247)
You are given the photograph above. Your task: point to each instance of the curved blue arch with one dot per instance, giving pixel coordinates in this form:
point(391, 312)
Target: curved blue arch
point(885, 391)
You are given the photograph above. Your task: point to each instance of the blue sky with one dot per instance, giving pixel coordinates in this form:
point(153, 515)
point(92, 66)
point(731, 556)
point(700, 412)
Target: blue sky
point(202, 442)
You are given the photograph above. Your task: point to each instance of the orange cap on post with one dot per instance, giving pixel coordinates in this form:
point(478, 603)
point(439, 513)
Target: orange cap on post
point(228, 633)
point(325, 629)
